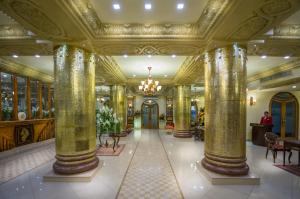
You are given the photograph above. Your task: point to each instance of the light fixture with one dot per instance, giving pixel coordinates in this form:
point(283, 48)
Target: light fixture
point(286, 57)
point(116, 6)
point(134, 75)
point(149, 56)
point(264, 56)
point(15, 56)
point(148, 6)
point(173, 56)
point(125, 56)
point(149, 87)
point(294, 86)
point(37, 56)
point(180, 6)
point(252, 101)
point(165, 75)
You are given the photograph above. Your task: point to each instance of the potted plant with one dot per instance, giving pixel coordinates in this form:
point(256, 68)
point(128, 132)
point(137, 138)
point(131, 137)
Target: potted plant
point(106, 123)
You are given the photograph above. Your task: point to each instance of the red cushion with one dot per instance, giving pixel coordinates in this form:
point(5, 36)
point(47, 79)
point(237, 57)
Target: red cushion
point(278, 146)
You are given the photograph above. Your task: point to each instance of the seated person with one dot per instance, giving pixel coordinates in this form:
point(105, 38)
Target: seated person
point(266, 119)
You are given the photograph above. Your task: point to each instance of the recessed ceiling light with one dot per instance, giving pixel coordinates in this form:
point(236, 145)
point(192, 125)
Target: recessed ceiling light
point(173, 56)
point(294, 86)
point(264, 56)
point(37, 56)
point(125, 56)
point(116, 6)
point(180, 6)
point(15, 56)
point(148, 6)
point(149, 56)
point(286, 57)
point(165, 75)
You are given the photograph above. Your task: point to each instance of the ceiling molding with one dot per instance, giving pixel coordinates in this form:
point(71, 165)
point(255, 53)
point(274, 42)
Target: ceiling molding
point(24, 70)
point(281, 68)
point(287, 30)
point(191, 71)
point(13, 31)
point(84, 10)
point(109, 70)
point(280, 83)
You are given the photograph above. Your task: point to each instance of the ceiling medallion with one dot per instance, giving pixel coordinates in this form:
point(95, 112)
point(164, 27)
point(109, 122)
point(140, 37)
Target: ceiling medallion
point(149, 87)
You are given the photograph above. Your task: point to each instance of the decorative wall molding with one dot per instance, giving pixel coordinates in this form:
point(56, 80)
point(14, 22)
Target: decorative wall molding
point(24, 70)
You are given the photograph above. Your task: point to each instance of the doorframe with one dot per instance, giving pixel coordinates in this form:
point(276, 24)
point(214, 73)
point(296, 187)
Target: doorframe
point(151, 104)
point(297, 112)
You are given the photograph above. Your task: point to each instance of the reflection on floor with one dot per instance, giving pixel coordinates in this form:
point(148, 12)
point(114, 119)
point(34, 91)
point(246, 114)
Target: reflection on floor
point(149, 174)
point(182, 153)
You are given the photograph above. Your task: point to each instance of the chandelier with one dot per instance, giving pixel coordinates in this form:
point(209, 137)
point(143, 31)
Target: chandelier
point(149, 86)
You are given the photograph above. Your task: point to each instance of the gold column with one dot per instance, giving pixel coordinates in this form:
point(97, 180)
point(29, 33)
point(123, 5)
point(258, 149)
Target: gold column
point(225, 110)
point(183, 112)
point(74, 110)
point(118, 103)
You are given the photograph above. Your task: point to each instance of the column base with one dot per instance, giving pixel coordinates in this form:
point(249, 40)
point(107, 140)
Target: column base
point(73, 164)
point(183, 134)
point(231, 171)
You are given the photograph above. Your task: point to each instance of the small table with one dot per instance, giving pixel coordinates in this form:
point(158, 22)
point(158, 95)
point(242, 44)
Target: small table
point(290, 144)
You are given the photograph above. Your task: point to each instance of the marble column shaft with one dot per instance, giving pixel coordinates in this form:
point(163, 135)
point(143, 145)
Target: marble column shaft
point(225, 110)
point(183, 111)
point(118, 103)
point(74, 110)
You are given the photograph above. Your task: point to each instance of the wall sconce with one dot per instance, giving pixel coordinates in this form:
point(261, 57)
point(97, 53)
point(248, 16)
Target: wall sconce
point(252, 101)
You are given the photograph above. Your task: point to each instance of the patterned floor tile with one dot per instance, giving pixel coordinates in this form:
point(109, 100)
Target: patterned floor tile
point(150, 174)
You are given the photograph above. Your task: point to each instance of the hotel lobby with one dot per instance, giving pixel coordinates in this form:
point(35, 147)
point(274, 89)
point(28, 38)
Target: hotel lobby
point(149, 99)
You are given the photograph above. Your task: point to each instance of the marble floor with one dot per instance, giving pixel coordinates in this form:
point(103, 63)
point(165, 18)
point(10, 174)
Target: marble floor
point(177, 159)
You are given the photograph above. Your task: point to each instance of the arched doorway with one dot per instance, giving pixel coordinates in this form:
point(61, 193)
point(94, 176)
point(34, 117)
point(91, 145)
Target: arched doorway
point(150, 113)
point(284, 109)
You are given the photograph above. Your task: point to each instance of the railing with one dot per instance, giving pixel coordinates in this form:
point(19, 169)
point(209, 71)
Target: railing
point(47, 132)
point(6, 143)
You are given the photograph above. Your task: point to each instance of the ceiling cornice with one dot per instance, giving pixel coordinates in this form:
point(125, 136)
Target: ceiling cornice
point(281, 68)
point(279, 83)
point(13, 31)
point(108, 69)
point(24, 70)
point(84, 11)
point(191, 71)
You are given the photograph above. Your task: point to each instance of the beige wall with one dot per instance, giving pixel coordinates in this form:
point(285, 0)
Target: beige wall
point(255, 112)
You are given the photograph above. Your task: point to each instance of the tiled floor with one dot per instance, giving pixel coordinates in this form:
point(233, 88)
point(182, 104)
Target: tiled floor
point(149, 174)
point(182, 153)
point(12, 167)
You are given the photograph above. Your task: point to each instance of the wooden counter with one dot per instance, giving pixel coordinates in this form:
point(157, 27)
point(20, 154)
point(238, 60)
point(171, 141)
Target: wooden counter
point(17, 133)
point(258, 133)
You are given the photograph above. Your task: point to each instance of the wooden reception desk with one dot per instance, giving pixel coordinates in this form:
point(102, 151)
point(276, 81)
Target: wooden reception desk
point(258, 133)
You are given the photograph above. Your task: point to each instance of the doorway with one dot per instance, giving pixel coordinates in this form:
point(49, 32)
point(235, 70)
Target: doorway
point(284, 109)
point(150, 113)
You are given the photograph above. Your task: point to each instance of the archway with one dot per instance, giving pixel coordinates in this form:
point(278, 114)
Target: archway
point(284, 109)
point(150, 111)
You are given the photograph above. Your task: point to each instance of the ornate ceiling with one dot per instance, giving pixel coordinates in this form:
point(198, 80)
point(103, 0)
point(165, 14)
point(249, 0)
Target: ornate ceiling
point(34, 26)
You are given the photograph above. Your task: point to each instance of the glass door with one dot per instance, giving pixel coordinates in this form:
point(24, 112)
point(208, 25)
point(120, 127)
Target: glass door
point(284, 110)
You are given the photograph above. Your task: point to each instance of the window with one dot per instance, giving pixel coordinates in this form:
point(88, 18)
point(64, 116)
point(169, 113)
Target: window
point(21, 82)
point(45, 101)
point(34, 99)
point(7, 96)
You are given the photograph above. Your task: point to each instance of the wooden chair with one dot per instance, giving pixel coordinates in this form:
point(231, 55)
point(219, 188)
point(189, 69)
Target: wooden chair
point(272, 144)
